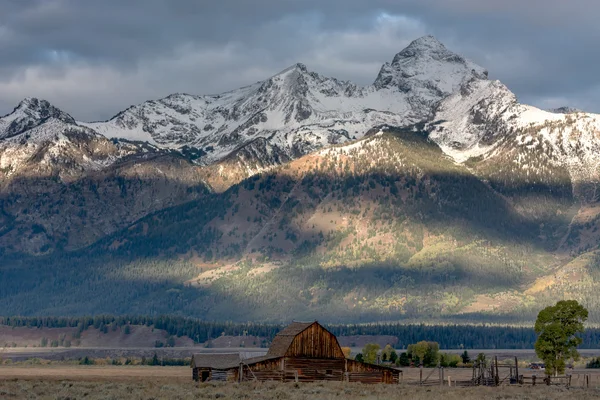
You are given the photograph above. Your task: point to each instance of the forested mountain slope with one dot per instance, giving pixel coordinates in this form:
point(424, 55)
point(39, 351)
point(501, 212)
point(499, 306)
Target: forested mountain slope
point(64, 186)
point(430, 194)
point(385, 227)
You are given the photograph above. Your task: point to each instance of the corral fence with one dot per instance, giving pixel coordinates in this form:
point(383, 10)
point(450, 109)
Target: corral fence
point(505, 373)
point(495, 374)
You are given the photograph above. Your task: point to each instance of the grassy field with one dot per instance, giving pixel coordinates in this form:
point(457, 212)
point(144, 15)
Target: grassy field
point(95, 382)
point(95, 373)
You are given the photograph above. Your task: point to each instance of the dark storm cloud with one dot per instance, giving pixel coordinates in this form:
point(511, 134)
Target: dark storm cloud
point(94, 58)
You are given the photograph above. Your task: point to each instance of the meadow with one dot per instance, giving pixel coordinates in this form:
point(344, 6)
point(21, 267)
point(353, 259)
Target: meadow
point(137, 382)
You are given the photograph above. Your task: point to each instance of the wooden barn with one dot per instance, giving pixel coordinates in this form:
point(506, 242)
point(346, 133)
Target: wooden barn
point(302, 352)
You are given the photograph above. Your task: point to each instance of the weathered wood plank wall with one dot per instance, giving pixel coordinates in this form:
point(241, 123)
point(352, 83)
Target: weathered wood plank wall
point(315, 342)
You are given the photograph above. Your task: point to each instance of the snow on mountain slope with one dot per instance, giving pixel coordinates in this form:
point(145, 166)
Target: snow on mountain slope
point(519, 148)
point(299, 111)
point(58, 148)
point(426, 72)
point(39, 140)
point(28, 114)
point(65, 186)
point(475, 119)
point(295, 112)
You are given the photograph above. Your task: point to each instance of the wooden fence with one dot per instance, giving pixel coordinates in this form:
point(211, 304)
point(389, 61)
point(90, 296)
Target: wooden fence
point(507, 373)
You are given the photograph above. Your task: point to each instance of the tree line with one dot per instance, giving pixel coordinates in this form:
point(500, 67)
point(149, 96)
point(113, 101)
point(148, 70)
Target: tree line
point(447, 336)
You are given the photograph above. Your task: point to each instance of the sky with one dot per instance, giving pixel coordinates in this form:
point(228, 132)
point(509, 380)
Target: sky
point(95, 58)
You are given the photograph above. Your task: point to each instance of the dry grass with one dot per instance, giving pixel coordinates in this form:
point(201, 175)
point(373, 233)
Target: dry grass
point(148, 388)
point(175, 383)
point(94, 373)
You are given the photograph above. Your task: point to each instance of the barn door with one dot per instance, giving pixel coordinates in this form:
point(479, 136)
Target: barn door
point(205, 375)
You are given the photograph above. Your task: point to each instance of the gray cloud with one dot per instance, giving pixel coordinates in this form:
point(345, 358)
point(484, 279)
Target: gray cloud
point(94, 58)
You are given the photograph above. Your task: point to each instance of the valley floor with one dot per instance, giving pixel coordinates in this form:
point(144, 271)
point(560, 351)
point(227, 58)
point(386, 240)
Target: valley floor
point(132, 382)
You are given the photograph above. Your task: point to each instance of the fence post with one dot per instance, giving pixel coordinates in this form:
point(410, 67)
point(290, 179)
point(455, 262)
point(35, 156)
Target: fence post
point(497, 377)
point(420, 374)
point(449, 382)
point(587, 381)
point(517, 368)
point(533, 378)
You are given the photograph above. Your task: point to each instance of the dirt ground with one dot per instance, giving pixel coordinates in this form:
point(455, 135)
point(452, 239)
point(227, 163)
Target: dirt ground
point(129, 382)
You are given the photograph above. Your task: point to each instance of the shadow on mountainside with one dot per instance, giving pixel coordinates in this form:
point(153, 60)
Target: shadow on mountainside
point(387, 229)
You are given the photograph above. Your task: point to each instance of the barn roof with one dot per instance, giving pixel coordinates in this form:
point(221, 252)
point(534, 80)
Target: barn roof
point(254, 360)
point(284, 339)
point(216, 360)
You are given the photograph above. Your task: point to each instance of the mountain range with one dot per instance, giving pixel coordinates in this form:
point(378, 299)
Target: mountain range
point(430, 194)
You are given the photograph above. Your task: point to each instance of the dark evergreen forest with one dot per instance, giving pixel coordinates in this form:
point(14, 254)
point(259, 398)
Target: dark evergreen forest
point(448, 336)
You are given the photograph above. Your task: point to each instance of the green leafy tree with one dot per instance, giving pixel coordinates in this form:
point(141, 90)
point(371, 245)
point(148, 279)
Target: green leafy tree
point(432, 355)
point(393, 357)
point(369, 352)
point(403, 360)
point(359, 357)
point(449, 360)
point(427, 352)
point(388, 354)
point(557, 327)
point(418, 349)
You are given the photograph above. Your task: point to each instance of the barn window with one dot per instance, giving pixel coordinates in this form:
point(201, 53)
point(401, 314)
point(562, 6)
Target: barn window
point(329, 372)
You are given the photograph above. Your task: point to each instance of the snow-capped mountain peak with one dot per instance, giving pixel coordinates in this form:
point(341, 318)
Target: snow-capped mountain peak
point(421, 46)
point(297, 110)
point(29, 113)
point(296, 67)
point(426, 65)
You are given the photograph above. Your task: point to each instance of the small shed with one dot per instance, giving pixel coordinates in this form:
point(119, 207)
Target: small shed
point(302, 352)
